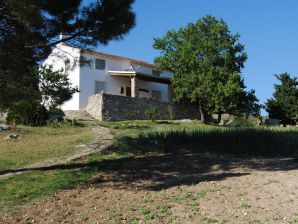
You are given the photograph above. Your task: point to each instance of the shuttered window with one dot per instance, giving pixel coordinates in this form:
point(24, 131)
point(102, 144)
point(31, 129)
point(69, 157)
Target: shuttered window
point(99, 87)
point(156, 95)
point(100, 64)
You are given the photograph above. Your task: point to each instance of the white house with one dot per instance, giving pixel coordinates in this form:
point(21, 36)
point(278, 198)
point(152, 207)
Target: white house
point(110, 74)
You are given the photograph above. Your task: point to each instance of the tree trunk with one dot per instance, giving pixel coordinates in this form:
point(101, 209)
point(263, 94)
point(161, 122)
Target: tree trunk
point(218, 118)
point(202, 114)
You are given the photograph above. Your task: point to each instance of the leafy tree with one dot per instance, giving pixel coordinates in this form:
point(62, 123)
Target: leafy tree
point(55, 87)
point(30, 29)
point(248, 104)
point(284, 104)
point(206, 60)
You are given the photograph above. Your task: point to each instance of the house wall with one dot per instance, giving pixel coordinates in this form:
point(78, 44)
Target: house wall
point(84, 76)
point(88, 76)
point(112, 107)
point(57, 60)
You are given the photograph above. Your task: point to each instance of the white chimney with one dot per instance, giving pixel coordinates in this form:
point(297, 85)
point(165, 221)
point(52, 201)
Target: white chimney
point(61, 36)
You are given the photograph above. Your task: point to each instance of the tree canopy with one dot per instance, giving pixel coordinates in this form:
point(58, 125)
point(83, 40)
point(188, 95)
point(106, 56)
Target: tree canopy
point(284, 104)
point(29, 29)
point(206, 60)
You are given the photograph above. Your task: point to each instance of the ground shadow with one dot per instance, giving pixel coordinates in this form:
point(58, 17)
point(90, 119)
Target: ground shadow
point(162, 171)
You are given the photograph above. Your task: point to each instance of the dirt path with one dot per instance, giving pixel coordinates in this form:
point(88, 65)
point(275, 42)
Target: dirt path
point(185, 188)
point(103, 140)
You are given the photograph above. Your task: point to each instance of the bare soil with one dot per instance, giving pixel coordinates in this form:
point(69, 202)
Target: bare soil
point(180, 188)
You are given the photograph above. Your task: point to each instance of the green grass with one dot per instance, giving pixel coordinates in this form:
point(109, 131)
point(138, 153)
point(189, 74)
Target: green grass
point(146, 136)
point(21, 189)
point(237, 141)
point(40, 143)
point(245, 205)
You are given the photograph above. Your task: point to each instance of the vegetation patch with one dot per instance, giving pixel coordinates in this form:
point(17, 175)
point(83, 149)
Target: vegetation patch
point(40, 143)
point(238, 141)
point(21, 189)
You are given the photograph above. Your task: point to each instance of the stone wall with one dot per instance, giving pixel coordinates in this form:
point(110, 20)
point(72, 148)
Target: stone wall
point(112, 107)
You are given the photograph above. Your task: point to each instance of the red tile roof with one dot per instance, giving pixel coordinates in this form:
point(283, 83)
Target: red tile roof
point(101, 54)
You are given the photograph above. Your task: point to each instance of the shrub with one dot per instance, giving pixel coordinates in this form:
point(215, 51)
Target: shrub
point(241, 122)
point(55, 113)
point(54, 123)
point(151, 113)
point(170, 113)
point(131, 119)
point(27, 113)
point(73, 122)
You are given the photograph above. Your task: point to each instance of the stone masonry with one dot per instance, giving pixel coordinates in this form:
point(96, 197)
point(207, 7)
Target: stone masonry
point(105, 107)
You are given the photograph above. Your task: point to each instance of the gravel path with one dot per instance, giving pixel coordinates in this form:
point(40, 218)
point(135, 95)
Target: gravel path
point(103, 140)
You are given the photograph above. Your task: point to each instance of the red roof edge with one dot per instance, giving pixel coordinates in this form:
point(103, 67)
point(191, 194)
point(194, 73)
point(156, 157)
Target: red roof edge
point(117, 57)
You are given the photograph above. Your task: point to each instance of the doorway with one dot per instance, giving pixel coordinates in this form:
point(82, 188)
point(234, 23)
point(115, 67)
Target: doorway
point(128, 91)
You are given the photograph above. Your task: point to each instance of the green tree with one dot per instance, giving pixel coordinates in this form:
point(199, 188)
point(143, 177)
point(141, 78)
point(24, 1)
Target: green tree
point(55, 87)
point(30, 29)
point(248, 104)
point(206, 60)
point(284, 104)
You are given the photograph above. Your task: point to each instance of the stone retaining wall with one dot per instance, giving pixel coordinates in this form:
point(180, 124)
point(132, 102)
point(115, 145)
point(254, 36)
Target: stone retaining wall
point(107, 107)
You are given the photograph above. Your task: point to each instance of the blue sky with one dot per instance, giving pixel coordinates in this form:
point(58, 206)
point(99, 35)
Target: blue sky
point(268, 29)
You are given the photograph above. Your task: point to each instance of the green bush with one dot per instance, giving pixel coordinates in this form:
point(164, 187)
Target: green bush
point(152, 114)
point(241, 122)
point(54, 123)
point(27, 113)
point(170, 113)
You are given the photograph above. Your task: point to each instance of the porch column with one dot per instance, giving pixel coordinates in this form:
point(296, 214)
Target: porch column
point(134, 82)
point(170, 92)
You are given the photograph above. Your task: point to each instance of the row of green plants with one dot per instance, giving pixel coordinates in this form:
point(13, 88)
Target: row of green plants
point(238, 141)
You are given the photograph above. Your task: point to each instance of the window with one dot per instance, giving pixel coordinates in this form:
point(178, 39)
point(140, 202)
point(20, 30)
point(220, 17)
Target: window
point(155, 72)
point(99, 87)
point(156, 95)
point(122, 90)
point(100, 64)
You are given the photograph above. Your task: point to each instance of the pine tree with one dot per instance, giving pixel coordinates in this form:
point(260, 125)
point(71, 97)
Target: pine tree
point(29, 29)
point(284, 104)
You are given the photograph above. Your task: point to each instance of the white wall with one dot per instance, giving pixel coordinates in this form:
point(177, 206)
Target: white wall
point(57, 60)
point(88, 76)
point(84, 77)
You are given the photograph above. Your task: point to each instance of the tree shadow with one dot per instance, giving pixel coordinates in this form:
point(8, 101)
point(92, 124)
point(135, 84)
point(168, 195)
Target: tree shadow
point(163, 171)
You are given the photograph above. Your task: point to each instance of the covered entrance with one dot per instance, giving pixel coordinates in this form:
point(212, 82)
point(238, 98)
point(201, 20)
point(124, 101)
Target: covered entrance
point(136, 77)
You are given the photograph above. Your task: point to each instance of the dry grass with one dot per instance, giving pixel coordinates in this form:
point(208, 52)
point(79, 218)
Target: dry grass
point(39, 143)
